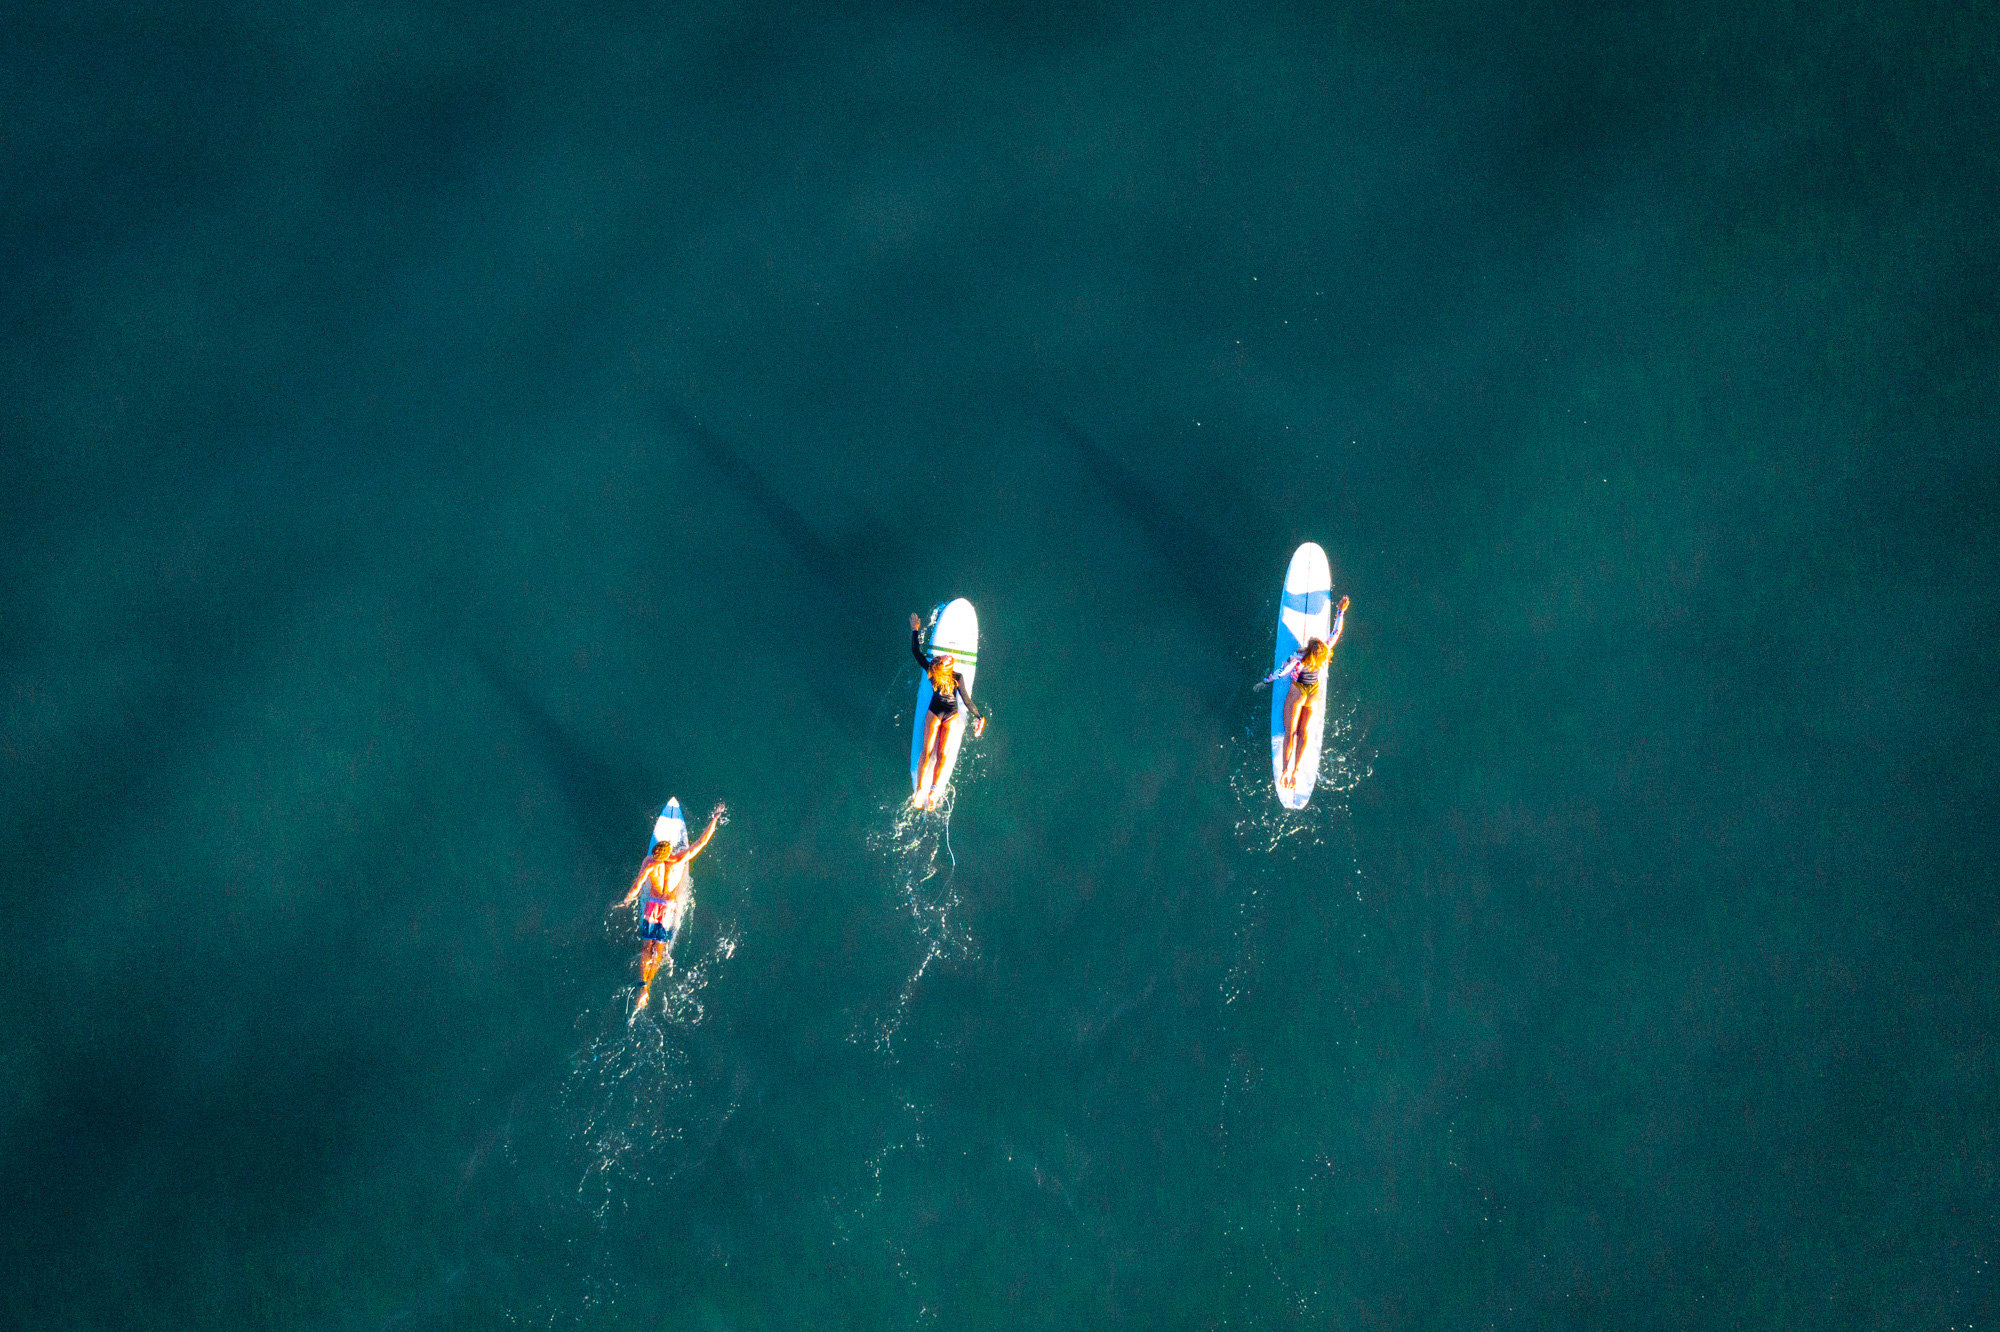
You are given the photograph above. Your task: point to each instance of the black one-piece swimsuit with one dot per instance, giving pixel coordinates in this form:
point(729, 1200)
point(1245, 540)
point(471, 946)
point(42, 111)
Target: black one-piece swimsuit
point(942, 705)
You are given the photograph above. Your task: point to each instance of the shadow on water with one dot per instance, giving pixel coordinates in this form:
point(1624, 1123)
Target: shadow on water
point(849, 579)
point(171, 670)
point(757, 493)
point(1197, 563)
point(598, 793)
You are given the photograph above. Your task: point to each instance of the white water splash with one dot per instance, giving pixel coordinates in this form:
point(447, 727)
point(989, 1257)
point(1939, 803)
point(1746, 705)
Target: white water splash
point(1275, 835)
point(1345, 761)
point(640, 1114)
point(915, 848)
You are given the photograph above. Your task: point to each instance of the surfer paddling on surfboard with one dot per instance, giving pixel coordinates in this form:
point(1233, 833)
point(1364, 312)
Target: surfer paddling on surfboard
point(664, 880)
point(1307, 671)
point(948, 695)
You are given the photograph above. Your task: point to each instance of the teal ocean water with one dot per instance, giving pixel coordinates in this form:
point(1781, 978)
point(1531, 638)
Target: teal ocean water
point(432, 436)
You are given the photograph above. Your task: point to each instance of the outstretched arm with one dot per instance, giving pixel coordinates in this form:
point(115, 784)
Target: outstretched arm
point(702, 842)
point(1291, 663)
point(917, 642)
point(1339, 623)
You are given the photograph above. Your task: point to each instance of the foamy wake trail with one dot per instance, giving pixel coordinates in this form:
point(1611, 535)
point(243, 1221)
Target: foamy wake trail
point(1273, 834)
point(915, 854)
point(544, 1190)
point(640, 1113)
point(1275, 837)
point(1345, 761)
point(915, 849)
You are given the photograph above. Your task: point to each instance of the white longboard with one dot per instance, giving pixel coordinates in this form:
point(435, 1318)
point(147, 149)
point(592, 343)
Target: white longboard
point(954, 628)
point(672, 829)
point(1304, 611)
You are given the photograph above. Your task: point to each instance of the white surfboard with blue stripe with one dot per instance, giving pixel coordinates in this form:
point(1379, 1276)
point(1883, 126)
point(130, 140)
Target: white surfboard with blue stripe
point(670, 827)
point(1305, 611)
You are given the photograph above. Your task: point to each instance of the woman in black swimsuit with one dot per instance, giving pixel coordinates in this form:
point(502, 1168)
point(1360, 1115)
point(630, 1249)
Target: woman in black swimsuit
point(948, 695)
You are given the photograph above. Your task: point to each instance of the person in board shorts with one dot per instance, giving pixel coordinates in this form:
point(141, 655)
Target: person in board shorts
point(664, 881)
point(947, 697)
point(1307, 671)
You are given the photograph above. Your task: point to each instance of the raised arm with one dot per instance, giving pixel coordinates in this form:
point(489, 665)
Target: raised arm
point(1339, 623)
point(917, 642)
point(702, 842)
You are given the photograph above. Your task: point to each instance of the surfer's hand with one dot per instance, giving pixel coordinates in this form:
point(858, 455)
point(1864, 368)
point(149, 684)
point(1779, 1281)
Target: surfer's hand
point(1343, 603)
point(916, 621)
point(719, 810)
point(978, 727)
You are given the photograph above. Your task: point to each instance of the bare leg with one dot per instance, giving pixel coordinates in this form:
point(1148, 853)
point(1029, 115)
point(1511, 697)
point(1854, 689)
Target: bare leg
point(650, 956)
point(925, 764)
point(1299, 736)
point(1293, 700)
point(942, 735)
point(1295, 740)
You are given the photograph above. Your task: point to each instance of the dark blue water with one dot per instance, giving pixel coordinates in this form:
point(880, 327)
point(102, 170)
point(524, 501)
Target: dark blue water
point(432, 436)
